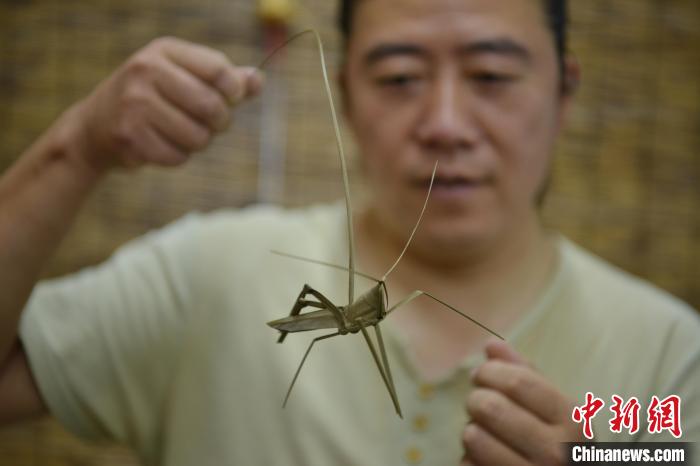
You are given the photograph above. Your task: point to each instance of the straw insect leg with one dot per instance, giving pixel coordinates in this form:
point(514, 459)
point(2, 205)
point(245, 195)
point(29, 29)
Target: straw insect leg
point(341, 152)
point(326, 264)
point(410, 297)
point(324, 303)
point(308, 303)
point(385, 360)
point(299, 304)
point(389, 386)
point(308, 350)
point(327, 304)
point(413, 295)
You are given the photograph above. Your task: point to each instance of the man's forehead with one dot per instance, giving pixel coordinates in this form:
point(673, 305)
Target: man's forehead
point(502, 46)
point(504, 25)
point(380, 14)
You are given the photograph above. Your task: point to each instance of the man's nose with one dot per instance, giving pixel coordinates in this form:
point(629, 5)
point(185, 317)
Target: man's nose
point(445, 123)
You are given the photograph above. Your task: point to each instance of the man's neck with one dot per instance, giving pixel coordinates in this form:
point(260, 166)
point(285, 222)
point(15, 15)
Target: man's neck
point(496, 287)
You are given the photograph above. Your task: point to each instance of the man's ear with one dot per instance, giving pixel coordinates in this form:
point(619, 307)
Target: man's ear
point(341, 79)
point(572, 76)
point(570, 83)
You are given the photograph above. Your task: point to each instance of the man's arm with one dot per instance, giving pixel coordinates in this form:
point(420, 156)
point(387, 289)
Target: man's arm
point(168, 100)
point(18, 386)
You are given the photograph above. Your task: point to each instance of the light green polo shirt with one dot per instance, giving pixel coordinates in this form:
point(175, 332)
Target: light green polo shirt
point(165, 347)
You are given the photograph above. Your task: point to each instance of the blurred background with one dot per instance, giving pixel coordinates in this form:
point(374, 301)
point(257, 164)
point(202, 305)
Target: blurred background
point(626, 180)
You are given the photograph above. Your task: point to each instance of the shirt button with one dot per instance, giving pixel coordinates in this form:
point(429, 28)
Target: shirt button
point(414, 455)
point(426, 392)
point(420, 423)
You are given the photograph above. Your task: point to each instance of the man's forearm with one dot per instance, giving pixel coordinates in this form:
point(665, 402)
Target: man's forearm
point(40, 196)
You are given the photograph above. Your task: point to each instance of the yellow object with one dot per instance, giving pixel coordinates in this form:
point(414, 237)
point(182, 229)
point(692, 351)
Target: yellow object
point(414, 456)
point(420, 423)
point(276, 11)
point(426, 391)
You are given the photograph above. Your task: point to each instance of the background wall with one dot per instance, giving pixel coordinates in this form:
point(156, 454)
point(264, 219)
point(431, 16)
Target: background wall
point(625, 182)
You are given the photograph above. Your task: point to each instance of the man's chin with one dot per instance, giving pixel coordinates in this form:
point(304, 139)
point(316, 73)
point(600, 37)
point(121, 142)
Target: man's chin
point(453, 243)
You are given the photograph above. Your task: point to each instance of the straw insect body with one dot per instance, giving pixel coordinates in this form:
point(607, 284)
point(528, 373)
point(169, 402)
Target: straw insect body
point(368, 309)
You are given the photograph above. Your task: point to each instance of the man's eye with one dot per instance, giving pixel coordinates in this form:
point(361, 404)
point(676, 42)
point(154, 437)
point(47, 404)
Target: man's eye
point(492, 78)
point(398, 80)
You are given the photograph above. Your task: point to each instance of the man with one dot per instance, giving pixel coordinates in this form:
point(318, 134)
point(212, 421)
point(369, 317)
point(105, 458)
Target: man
point(164, 347)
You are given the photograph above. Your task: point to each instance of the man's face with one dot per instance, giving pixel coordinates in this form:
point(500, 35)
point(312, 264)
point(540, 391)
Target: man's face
point(472, 84)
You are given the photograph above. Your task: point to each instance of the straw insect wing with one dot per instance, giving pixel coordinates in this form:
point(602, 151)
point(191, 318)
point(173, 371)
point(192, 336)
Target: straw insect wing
point(370, 308)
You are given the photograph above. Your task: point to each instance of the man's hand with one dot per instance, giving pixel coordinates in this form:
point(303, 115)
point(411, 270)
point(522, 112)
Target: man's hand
point(165, 102)
point(517, 416)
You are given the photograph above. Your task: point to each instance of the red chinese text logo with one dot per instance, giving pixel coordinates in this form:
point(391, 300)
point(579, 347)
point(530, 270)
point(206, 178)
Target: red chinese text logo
point(662, 415)
point(587, 412)
point(665, 415)
point(625, 415)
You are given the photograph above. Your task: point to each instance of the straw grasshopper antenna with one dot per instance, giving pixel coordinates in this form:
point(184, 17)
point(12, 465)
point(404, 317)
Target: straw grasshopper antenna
point(420, 217)
point(341, 152)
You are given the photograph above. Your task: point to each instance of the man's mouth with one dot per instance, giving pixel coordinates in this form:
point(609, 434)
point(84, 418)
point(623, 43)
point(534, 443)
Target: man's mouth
point(450, 182)
point(451, 188)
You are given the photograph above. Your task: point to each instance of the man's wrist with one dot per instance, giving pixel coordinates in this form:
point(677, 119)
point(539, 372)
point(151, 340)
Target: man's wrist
point(69, 142)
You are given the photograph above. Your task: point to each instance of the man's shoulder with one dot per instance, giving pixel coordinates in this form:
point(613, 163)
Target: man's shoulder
point(265, 220)
point(240, 240)
point(252, 226)
point(609, 290)
point(614, 332)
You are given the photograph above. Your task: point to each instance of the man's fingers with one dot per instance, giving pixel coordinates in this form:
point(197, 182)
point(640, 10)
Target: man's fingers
point(178, 127)
point(518, 407)
point(255, 80)
point(157, 149)
point(483, 449)
point(508, 422)
point(525, 387)
point(499, 349)
point(510, 373)
point(213, 67)
point(193, 96)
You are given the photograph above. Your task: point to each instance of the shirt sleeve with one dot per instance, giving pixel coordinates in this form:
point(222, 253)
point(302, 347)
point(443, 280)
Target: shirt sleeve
point(104, 344)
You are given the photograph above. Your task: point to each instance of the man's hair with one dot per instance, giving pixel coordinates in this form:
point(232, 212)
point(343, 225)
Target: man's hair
point(555, 11)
